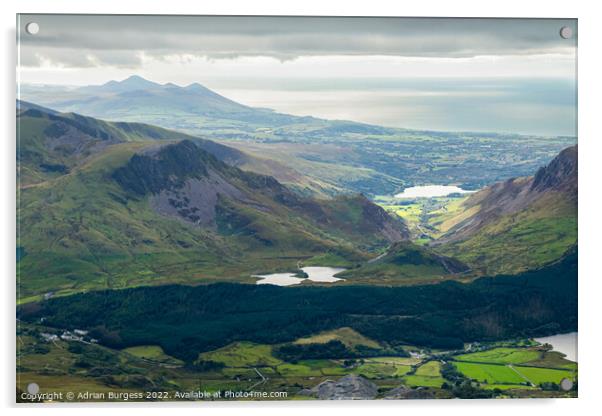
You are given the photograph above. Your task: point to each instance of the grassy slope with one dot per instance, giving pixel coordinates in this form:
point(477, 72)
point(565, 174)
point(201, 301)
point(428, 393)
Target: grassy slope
point(35, 127)
point(80, 235)
point(404, 263)
point(521, 241)
point(519, 224)
point(243, 354)
point(331, 168)
point(446, 217)
point(82, 231)
point(152, 353)
point(34, 148)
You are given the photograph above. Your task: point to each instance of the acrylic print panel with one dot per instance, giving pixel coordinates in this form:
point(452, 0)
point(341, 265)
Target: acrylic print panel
point(283, 208)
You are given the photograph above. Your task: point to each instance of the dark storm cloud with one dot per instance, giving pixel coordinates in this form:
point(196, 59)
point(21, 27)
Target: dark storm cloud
point(86, 40)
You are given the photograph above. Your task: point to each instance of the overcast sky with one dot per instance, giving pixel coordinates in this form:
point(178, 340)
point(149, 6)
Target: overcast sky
point(442, 74)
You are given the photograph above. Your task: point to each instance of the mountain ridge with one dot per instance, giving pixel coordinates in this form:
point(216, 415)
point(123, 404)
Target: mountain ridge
point(49, 139)
point(113, 100)
point(175, 213)
point(328, 152)
point(174, 177)
point(535, 216)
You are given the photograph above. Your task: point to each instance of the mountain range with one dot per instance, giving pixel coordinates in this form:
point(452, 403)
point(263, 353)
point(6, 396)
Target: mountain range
point(168, 105)
point(316, 156)
point(157, 222)
point(109, 204)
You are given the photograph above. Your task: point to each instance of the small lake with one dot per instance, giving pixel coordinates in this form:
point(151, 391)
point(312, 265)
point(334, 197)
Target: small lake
point(314, 273)
point(429, 191)
point(564, 343)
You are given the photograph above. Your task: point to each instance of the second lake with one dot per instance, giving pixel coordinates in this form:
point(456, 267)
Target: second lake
point(314, 273)
point(429, 191)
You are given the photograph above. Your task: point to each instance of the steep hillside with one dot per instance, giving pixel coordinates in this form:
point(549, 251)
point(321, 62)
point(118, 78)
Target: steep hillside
point(52, 144)
point(184, 181)
point(145, 213)
point(518, 224)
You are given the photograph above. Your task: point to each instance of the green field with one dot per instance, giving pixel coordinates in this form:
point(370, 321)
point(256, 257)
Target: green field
point(422, 381)
point(71, 366)
point(490, 373)
point(427, 375)
point(298, 370)
point(243, 354)
point(427, 218)
point(543, 375)
point(311, 368)
point(501, 356)
point(153, 353)
point(429, 369)
point(499, 374)
point(347, 336)
point(375, 369)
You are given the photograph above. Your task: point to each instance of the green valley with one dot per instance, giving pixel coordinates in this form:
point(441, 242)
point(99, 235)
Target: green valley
point(140, 250)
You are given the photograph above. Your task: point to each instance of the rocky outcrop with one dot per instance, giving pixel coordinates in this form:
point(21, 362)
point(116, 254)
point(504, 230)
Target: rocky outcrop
point(560, 174)
point(350, 387)
point(168, 168)
point(184, 181)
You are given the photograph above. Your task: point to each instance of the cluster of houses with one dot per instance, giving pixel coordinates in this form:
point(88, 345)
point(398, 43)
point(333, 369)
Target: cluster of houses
point(78, 335)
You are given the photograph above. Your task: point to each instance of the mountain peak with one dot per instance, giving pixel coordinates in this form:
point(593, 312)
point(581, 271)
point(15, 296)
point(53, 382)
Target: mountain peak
point(559, 174)
point(138, 81)
point(134, 82)
point(195, 86)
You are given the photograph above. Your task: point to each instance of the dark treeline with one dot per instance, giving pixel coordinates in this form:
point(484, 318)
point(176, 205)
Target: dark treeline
point(295, 352)
point(332, 349)
point(187, 320)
